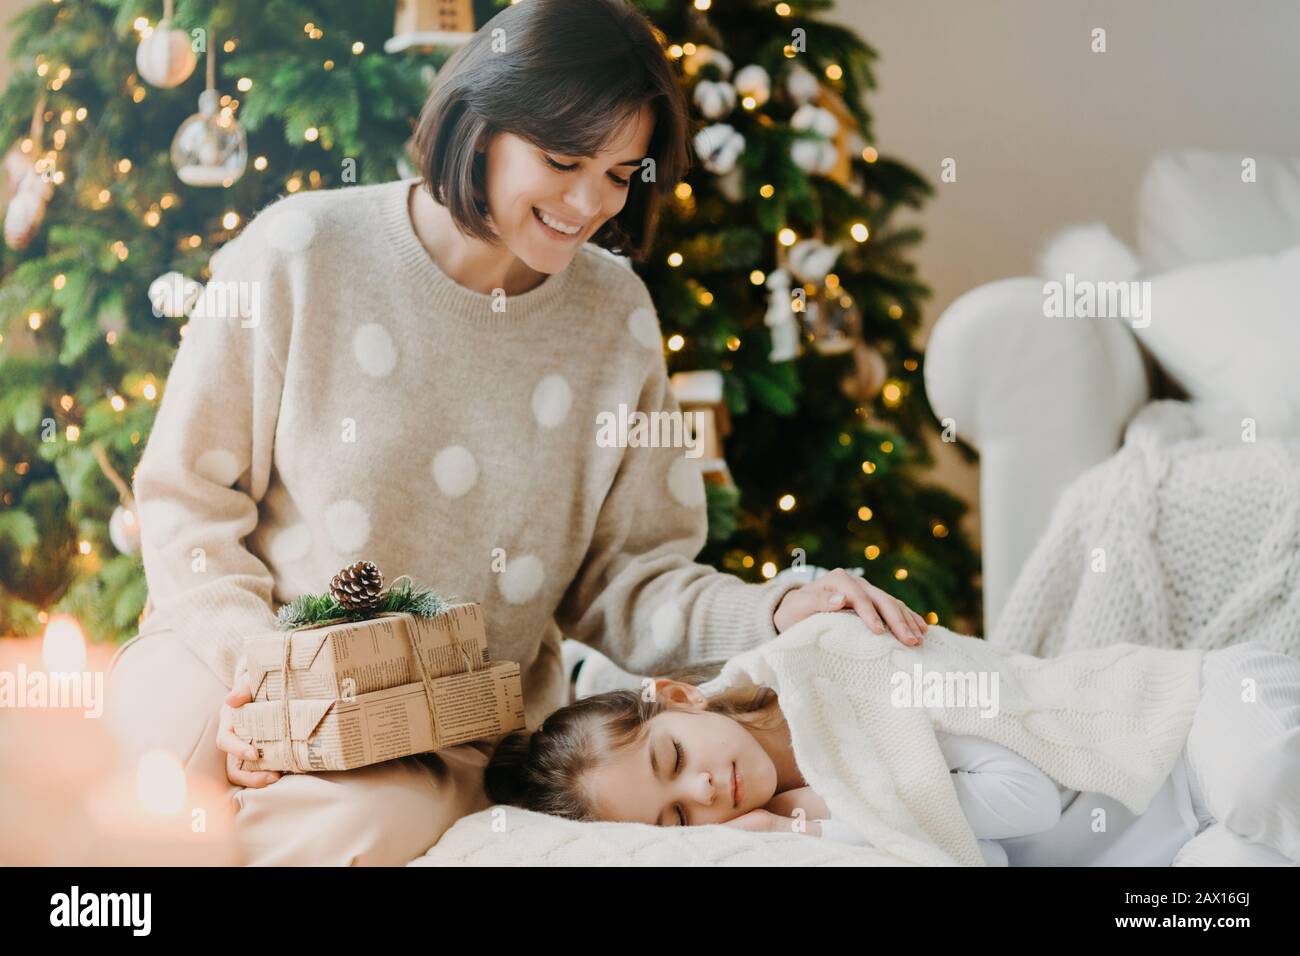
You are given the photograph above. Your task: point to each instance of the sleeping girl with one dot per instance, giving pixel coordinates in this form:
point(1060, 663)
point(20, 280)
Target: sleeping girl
point(674, 755)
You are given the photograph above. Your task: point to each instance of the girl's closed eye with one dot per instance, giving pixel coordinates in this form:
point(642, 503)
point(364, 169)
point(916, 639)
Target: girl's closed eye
point(681, 757)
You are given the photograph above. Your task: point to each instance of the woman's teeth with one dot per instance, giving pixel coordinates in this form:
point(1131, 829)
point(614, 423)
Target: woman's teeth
point(556, 224)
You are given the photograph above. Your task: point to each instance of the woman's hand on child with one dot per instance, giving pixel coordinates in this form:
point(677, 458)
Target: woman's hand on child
point(238, 750)
point(839, 590)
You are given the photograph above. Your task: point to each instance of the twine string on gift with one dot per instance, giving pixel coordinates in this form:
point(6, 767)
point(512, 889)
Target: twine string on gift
point(471, 660)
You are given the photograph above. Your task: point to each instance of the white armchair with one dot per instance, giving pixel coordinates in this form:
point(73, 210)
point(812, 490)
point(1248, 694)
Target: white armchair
point(1045, 400)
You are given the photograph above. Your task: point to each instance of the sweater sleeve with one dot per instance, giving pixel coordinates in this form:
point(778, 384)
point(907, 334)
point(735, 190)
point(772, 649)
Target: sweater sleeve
point(639, 597)
point(1001, 794)
point(207, 464)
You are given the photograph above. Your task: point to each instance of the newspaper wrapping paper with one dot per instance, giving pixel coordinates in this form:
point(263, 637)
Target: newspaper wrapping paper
point(349, 712)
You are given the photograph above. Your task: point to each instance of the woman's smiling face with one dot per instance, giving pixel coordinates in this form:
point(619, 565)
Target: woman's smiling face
point(544, 205)
point(689, 767)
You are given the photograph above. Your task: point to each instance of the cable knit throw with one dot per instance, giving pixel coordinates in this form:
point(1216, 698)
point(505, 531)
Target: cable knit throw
point(1112, 721)
point(1187, 537)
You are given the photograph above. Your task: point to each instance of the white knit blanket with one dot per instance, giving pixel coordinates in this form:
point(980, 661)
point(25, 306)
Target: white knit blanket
point(1187, 537)
point(1111, 720)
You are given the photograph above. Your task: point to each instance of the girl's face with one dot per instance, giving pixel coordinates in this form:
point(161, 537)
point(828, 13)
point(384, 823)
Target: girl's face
point(544, 205)
point(690, 768)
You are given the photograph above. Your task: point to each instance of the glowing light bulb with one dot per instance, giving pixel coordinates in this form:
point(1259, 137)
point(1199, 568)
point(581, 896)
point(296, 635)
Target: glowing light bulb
point(160, 784)
point(63, 646)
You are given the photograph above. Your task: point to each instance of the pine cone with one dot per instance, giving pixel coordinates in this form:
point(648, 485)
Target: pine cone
point(359, 587)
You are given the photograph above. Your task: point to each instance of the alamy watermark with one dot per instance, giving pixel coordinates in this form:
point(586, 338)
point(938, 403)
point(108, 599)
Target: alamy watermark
point(946, 689)
point(638, 429)
point(37, 688)
point(1086, 299)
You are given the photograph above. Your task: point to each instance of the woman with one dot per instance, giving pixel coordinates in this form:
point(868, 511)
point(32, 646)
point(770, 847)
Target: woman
point(415, 380)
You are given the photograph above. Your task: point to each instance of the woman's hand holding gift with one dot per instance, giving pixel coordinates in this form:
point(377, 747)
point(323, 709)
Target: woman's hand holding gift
point(238, 750)
point(840, 590)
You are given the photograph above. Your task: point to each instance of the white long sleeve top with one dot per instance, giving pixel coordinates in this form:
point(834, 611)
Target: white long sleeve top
point(1021, 817)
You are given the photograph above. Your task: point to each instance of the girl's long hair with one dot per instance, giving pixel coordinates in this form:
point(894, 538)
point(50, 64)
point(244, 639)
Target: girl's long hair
point(546, 770)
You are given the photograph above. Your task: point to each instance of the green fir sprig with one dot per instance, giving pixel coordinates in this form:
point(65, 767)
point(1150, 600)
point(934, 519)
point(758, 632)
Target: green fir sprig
point(404, 597)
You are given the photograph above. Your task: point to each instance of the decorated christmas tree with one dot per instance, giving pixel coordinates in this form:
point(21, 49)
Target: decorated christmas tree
point(140, 138)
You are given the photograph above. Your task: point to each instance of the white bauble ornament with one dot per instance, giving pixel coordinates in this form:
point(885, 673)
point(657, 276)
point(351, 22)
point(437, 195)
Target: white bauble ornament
point(719, 146)
point(811, 259)
point(124, 530)
point(801, 85)
point(209, 148)
point(730, 186)
point(27, 210)
point(704, 56)
point(165, 58)
point(715, 100)
point(174, 295)
point(814, 155)
point(753, 81)
point(821, 121)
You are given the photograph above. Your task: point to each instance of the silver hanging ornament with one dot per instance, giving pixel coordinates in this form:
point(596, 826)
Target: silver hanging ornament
point(832, 321)
point(210, 148)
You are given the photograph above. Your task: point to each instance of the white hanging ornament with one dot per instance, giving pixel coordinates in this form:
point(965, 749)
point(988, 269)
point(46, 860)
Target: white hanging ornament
point(704, 56)
point(165, 57)
point(801, 85)
point(124, 523)
point(730, 186)
point(821, 121)
point(781, 318)
point(754, 82)
point(210, 148)
point(719, 146)
point(814, 155)
point(811, 259)
point(30, 181)
point(715, 99)
point(124, 530)
point(173, 295)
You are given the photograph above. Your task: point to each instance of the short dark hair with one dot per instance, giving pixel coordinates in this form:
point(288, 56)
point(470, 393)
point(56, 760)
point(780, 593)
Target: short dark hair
point(570, 74)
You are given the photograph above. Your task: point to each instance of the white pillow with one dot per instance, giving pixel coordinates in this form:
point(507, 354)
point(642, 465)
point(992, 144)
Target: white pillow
point(509, 836)
point(1229, 333)
point(1193, 206)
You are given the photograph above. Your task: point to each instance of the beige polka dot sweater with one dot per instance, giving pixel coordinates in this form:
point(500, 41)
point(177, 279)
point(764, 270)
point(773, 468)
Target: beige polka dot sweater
point(337, 397)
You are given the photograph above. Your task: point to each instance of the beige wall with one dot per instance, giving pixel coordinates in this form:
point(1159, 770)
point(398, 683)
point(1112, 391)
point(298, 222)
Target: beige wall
point(1047, 133)
point(8, 10)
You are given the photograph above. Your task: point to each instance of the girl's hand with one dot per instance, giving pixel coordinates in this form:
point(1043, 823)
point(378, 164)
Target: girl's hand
point(761, 821)
point(839, 590)
point(801, 798)
point(238, 750)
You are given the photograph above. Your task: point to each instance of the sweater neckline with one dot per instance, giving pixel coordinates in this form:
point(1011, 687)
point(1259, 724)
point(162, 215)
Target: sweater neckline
point(442, 293)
